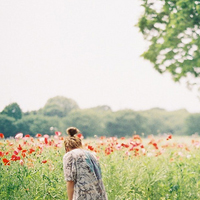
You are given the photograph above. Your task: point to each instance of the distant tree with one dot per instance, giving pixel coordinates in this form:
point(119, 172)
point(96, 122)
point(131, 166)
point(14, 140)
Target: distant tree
point(7, 126)
point(172, 28)
point(193, 124)
point(13, 110)
point(59, 106)
point(87, 121)
point(126, 123)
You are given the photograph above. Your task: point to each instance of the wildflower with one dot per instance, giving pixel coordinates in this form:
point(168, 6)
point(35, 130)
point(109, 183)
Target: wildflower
point(15, 158)
point(38, 135)
point(44, 161)
point(31, 151)
point(20, 147)
point(21, 162)
point(6, 161)
point(27, 136)
point(58, 133)
point(90, 148)
point(169, 137)
point(1, 135)
point(80, 135)
point(46, 136)
point(19, 136)
point(1, 154)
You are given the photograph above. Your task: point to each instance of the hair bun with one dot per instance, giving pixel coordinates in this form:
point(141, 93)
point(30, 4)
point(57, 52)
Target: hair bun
point(72, 131)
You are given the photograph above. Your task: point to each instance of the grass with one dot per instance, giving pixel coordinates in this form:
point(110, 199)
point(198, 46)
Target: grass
point(171, 171)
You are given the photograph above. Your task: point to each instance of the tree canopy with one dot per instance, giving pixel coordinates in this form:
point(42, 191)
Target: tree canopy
point(13, 110)
point(59, 106)
point(172, 28)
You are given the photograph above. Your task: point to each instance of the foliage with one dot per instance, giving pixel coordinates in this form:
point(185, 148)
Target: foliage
point(33, 124)
point(193, 124)
point(59, 106)
point(126, 123)
point(7, 126)
point(13, 110)
point(172, 29)
point(87, 121)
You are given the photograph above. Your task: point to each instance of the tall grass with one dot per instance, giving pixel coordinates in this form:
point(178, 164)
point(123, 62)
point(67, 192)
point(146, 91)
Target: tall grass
point(173, 173)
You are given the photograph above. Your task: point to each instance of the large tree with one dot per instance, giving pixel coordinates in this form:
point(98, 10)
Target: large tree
point(13, 110)
point(172, 28)
point(59, 106)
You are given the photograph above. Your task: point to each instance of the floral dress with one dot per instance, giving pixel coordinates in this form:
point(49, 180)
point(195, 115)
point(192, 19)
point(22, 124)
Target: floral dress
point(82, 167)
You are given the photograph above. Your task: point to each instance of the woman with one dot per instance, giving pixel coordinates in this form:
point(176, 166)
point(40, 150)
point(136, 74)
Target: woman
point(81, 170)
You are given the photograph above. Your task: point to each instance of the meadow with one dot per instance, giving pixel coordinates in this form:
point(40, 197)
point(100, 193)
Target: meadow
point(133, 168)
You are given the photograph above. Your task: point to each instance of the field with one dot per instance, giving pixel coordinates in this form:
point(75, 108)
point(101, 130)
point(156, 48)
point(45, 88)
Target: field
point(133, 169)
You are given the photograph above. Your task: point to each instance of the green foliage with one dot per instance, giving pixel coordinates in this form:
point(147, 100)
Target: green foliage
point(172, 29)
point(160, 121)
point(7, 126)
point(59, 106)
point(13, 110)
point(193, 124)
point(33, 124)
point(88, 121)
point(126, 123)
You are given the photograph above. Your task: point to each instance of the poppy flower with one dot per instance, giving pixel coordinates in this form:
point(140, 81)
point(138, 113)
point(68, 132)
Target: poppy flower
point(15, 158)
point(58, 133)
point(19, 136)
point(80, 135)
point(20, 147)
point(1, 154)
point(38, 135)
point(90, 147)
point(31, 151)
point(27, 135)
point(169, 137)
point(44, 161)
point(6, 161)
point(1, 135)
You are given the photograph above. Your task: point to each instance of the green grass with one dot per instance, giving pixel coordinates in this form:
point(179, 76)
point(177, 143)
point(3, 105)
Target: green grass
point(145, 177)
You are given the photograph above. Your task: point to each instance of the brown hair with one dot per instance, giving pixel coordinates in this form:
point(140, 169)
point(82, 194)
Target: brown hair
point(72, 141)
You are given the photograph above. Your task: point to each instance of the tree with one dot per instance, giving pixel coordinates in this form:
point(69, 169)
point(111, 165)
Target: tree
point(59, 106)
point(7, 126)
point(126, 123)
point(172, 28)
point(193, 124)
point(13, 110)
point(89, 122)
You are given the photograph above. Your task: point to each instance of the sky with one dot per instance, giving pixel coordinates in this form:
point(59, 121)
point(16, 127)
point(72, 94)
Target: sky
point(88, 51)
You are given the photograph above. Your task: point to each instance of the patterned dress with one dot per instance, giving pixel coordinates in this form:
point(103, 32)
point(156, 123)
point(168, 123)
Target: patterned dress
point(82, 167)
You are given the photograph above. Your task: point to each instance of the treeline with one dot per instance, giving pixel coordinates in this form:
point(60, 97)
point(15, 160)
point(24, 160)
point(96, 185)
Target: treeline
point(60, 112)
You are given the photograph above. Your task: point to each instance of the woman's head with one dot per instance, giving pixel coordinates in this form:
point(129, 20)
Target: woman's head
point(72, 141)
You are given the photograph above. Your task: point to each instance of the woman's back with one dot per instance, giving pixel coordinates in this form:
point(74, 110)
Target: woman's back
point(82, 167)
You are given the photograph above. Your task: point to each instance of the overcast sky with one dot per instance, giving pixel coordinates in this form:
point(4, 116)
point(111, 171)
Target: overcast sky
point(87, 50)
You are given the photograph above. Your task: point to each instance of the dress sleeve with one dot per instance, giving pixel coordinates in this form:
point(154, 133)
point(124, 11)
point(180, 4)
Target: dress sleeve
point(69, 167)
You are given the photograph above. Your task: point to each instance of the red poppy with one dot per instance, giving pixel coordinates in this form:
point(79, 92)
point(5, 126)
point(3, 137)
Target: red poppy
point(90, 147)
point(31, 151)
point(1, 135)
point(6, 161)
point(46, 140)
point(58, 133)
point(27, 136)
point(80, 135)
point(44, 161)
point(38, 135)
point(15, 158)
point(155, 145)
point(169, 137)
point(20, 147)
point(1, 154)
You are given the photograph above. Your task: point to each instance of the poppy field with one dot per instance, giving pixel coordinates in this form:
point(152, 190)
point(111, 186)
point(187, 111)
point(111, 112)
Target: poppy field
point(132, 168)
